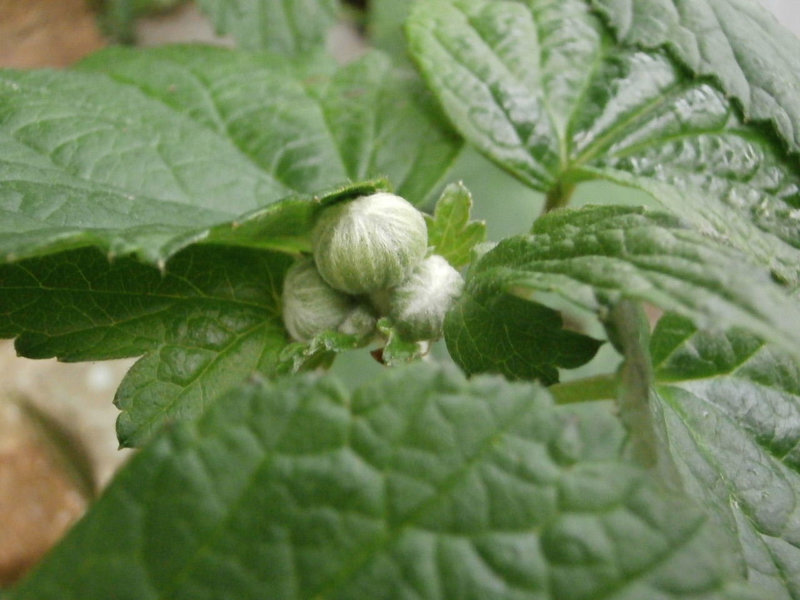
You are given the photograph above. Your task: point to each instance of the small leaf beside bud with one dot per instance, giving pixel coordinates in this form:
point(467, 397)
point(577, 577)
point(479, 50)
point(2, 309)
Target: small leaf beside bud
point(370, 243)
point(419, 304)
point(311, 306)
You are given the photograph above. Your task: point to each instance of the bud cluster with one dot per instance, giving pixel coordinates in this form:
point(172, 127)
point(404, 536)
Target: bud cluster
point(369, 262)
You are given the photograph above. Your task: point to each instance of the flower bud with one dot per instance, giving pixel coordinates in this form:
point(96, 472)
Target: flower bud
point(370, 243)
point(360, 322)
point(311, 306)
point(419, 304)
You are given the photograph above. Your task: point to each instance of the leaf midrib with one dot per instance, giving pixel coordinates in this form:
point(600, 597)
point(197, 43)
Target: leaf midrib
point(541, 172)
point(238, 339)
point(441, 490)
point(616, 132)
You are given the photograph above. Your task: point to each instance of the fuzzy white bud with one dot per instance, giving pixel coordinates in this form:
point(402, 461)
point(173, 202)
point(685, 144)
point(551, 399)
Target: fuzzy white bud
point(419, 304)
point(311, 306)
point(370, 243)
point(361, 322)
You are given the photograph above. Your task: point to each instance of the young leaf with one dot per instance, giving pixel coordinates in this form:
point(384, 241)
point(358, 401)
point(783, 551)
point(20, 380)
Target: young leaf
point(286, 27)
point(596, 256)
point(318, 352)
point(209, 321)
point(421, 485)
point(450, 231)
point(396, 350)
point(543, 89)
point(179, 139)
point(731, 408)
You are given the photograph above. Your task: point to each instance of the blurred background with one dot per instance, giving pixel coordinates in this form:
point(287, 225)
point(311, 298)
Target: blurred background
point(58, 446)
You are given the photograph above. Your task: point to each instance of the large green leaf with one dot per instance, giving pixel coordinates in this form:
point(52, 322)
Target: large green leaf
point(596, 256)
point(736, 42)
point(87, 160)
point(312, 123)
point(421, 485)
point(181, 138)
point(731, 407)
point(205, 324)
point(288, 27)
point(544, 90)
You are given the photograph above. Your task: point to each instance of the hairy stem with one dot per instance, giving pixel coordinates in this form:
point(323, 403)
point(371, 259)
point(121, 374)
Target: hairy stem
point(597, 387)
point(558, 196)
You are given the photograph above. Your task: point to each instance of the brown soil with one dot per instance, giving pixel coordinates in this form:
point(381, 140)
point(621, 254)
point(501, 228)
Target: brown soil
point(46, 33)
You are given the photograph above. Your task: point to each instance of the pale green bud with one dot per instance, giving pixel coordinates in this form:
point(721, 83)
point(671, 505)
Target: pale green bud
point(419, 304)
point(370, 243)
point(360, 322)
point(311, 306)
point(381, 301)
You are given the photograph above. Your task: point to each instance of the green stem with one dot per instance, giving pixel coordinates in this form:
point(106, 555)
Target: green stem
point(598, 387)
point(558, 196)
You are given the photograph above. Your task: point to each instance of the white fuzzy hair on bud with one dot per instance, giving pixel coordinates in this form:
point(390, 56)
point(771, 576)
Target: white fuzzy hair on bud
point(419, 304)
point(311, 306)
point(370, 243)
point(361, 322)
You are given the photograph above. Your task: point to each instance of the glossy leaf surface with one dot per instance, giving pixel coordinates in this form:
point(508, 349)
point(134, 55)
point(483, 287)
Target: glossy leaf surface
point(596, 256)
point(180, 139)
point(544, 89)
point(731, 408)
point(736, 42)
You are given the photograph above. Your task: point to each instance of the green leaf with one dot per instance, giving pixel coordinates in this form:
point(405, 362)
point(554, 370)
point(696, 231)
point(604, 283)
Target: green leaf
point(420, 485)
point(319, 352)
point(396, 350)
point(731, 407)
point(316, 124)
point(386, 123)
point(489, 85)
point(450, 231)
point(179, 139)
point(385, 21)
point(85, 160)
point(753, 58)
point(489, 330)
point(629, 330)
point(596, 256)
point(205, 324)
point(286, 27)
point(545, 91)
